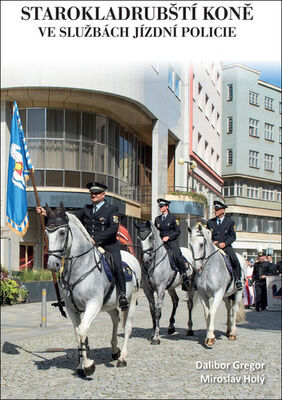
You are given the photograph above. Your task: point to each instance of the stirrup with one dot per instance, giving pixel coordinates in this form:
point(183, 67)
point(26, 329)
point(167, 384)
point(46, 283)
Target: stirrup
point(123, 302)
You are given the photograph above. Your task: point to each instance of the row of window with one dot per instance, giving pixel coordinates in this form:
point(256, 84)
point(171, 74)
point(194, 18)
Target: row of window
point(253, 191)
point(254, 99)
point(174, 82)
point(249, 223)
point(254, 160)
point(254, 129)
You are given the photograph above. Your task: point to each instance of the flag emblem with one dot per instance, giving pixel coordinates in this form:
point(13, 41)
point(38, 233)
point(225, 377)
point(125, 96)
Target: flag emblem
point(18, 171)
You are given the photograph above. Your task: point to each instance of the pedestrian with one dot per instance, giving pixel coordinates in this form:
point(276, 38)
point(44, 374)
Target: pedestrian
point(223, 235)
point(262, 269)
point(101, 221)
point(169, 227)
point(273, 267)
point(248, 291)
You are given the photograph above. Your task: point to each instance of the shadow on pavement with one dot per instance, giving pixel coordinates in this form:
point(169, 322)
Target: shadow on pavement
point(264, 320)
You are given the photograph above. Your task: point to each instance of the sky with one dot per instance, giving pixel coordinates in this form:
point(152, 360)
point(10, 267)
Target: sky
point(270, 71)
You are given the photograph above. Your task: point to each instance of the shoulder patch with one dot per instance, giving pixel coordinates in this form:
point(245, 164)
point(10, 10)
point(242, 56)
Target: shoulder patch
point(115, 219)
point(177, 222)
point(234, 228)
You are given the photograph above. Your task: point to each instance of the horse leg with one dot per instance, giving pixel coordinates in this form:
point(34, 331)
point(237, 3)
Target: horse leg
point(175, 300)
point(75, 317)
point(227, 302)
point(210, 334)
point(236, 305)
point(114, 314)
point(91, 311)
point(127, 325)
point(150, 297)
point(191, 294)
point(158, 314)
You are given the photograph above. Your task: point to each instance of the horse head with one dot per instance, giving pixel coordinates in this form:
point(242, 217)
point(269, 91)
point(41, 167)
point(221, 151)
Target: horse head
point(57, 231)
point(197, 244)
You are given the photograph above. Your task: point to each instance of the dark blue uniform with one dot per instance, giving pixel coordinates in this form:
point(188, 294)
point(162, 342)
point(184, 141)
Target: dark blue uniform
point(102, 226)
point(225, 232)
point(170, 226)
point(261, 268)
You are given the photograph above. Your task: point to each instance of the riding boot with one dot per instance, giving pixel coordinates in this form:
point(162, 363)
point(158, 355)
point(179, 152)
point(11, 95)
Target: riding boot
point(120, 280)
point(238, 282)
point(183, 273)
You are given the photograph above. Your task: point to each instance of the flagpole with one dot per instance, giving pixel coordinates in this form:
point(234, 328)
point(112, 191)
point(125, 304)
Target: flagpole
point(59, 304)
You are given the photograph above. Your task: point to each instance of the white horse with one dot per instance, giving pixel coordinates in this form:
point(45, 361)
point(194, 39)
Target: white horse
point(158, 276)
point(213, 281)
point(86, 288)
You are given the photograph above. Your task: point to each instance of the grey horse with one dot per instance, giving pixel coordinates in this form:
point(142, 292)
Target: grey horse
point(158, 276)
point(86, 288)
point(213, 281)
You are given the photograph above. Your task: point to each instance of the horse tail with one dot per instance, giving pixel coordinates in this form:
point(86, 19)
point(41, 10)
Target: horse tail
point(241, 315)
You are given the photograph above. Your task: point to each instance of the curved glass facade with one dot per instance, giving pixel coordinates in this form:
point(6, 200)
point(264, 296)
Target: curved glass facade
point(71, 148)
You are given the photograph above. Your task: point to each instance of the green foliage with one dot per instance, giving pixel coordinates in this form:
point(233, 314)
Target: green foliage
point(193, 195)
point(11, 292)
point(32, 275)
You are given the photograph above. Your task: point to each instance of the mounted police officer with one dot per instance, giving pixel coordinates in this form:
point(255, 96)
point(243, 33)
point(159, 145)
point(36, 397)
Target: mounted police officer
point(262, 269)
point(169, 227)
point(101, 221)
point(223, 235)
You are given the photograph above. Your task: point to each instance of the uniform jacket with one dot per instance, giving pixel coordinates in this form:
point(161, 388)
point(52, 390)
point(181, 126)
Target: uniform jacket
point(170, 226)
point(102, 226)
point(261, 268)
point(224, 232)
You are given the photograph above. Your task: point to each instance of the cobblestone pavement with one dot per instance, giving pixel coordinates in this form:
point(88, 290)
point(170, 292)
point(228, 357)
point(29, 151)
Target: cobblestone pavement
point(32, 369)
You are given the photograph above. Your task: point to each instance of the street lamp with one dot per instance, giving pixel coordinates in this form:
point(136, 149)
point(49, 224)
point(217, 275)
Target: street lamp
point(191, 165)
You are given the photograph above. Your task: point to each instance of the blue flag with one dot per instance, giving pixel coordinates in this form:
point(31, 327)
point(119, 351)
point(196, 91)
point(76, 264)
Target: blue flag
point(18, 170)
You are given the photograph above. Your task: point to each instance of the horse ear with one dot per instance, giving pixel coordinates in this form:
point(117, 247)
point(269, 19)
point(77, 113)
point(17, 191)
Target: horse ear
point(48, 209)
point(200, 227)
point(189, 230)
point(62, 206)
point(148, 223)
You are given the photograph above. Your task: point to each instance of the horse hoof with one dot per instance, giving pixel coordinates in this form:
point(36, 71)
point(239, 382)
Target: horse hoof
point(80, 373)
point(170, 331)
point(232, 337)
point(89, 370)
point(155, 341)
point(121, 364)
point(116, 355)
point(209, 341)
point(227, 334)
point(190, 333)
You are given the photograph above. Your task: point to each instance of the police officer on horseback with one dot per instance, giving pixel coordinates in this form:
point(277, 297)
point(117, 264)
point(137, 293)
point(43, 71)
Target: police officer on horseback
point(169, 227)
point(101, 221)
point(223, 235)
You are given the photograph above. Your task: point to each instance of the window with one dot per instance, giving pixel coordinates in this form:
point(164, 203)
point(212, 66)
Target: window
point(268, 162)
point(229, 160)
point(228, 189)
point(36, 123)
point(268, 131)
point(207, 111)
point(268, 194)
point(229, 124)
point(254, 98)
point(268, 103)
point(253, 127)
point(174, 82)
point(26, 256)
point(230, 92)
point(170, 78)
point(253, 159)
point(253, 191)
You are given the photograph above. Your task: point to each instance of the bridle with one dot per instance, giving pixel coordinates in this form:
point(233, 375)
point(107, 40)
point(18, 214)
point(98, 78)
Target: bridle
point(204, 256)
point(150, 251)
point(62, 252)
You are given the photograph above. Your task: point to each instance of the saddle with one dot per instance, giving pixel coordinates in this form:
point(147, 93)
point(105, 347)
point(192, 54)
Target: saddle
point(108, 266)
point(173, 262)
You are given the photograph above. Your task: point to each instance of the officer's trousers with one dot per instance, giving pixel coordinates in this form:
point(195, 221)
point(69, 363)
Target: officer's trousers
point(173, 245)
point(260, 294)
point(118, 270)
point(234, 260)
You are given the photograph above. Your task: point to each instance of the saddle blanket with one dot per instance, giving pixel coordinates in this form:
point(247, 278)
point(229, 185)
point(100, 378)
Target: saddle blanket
point(228, 264)
point(173, 264)
point(126, 269)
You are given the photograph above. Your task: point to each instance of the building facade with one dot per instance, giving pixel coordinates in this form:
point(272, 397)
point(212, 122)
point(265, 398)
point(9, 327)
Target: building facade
point(124, 126)
point(251, 166)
